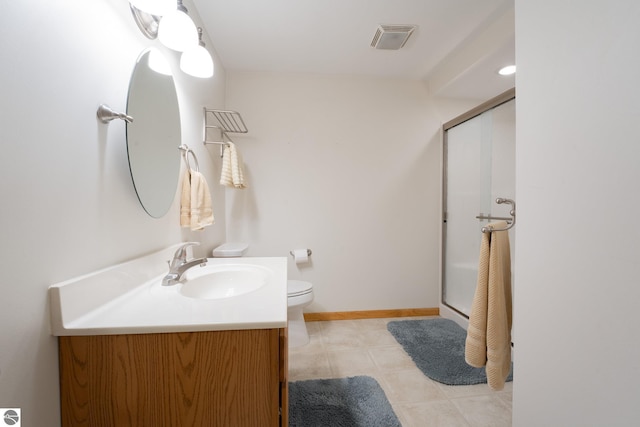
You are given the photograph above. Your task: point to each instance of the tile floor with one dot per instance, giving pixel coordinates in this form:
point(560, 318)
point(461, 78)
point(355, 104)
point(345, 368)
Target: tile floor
point(364, 347)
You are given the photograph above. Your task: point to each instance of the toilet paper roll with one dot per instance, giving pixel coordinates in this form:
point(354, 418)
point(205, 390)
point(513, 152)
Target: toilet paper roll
point(300, 256)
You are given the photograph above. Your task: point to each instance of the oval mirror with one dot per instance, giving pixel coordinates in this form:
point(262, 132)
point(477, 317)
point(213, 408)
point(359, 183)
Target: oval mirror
point(154, 135)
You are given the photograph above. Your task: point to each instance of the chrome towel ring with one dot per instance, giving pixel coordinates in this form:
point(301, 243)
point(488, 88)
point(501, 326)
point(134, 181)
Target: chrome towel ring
point(185, 152)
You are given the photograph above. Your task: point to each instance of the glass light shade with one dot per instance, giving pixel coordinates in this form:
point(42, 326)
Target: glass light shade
point(154, 7)
point(158, 62)
point(197, 62)
point(177, 31)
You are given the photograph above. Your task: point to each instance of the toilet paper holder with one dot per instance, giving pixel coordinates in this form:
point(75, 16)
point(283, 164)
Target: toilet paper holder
point(308, 253)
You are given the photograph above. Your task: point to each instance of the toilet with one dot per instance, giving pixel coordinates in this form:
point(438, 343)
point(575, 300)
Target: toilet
point(299, 295)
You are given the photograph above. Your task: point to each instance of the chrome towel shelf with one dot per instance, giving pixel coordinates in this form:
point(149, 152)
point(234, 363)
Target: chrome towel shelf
point(228, 122)
point(231, 121)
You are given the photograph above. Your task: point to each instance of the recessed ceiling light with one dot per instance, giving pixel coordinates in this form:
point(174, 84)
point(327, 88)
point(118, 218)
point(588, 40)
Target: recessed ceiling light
point(507, 71)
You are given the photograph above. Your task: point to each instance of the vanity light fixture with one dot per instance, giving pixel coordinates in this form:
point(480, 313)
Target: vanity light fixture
point(507, 71)
point(147, 14)
point(176, 29)
point(154, 7)
point(196, 61)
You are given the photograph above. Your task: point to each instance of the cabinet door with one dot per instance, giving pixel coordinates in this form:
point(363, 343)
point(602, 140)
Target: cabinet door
point(284, 377)
point(214, 378)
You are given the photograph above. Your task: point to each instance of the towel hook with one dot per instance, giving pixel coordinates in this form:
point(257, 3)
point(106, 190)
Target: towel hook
point(512, 212)
point(186, 151)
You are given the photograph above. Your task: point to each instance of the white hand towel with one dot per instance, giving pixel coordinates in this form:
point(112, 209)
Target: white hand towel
point(185, 200)
point(225, 175)
point(195, 202)
point(232, 174)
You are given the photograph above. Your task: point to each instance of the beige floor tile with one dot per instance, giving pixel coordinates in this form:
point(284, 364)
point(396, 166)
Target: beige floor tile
point(315, 345)
point(347, 363)
point(332, 326)
point(484, 411)
point(377, 338)
point(313, 328)
point(309, 366)
point(455, 391)
point(391, 358)
point(410, 386)
point(507, 398)
point(336, 336)
point(371, 324)
point(441, 413)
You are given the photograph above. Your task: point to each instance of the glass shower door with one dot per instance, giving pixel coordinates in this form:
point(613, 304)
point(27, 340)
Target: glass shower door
point(479, 156)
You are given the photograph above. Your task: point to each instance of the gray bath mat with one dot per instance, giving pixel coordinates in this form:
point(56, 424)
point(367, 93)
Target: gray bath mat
point(340, 402)
point(437, 348)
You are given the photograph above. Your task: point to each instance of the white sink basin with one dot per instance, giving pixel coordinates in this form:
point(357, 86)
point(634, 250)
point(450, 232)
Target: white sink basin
point(223, 281)
point(128, 298)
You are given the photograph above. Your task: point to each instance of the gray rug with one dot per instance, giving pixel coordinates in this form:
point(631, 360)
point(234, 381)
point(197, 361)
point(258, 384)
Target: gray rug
point(340, 402)
point(437, 348)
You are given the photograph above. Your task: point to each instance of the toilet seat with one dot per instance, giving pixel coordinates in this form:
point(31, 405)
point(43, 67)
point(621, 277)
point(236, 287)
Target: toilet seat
point(298, 287)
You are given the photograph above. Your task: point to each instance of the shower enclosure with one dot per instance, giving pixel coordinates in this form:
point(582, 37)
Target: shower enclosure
point(479, 167)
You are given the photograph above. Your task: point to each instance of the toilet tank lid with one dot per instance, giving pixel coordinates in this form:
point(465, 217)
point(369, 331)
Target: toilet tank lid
point(230, 249)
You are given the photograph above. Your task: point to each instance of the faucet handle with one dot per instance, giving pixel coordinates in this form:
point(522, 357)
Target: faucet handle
point(181, 253)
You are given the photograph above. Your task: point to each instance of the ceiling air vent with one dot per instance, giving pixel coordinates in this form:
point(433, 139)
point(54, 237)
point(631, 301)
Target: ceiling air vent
point(392, 36)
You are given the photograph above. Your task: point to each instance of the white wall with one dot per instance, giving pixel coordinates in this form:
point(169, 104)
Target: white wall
point(68, 203)
point(348, 167)
point(578, 174)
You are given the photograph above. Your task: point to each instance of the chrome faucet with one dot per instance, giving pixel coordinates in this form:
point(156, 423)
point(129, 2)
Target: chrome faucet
point(179, 265)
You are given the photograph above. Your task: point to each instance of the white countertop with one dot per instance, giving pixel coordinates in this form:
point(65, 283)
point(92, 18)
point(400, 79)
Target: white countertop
point(129, 299)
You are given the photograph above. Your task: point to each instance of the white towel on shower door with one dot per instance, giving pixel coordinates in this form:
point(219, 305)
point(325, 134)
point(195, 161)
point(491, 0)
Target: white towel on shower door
point(488, 340)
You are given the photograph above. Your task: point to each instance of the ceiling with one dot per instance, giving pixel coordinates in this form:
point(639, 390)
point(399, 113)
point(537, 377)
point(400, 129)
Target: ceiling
point(456, 50)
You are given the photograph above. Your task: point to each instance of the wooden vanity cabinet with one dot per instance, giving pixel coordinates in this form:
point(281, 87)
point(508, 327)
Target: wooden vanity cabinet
point(213, 378)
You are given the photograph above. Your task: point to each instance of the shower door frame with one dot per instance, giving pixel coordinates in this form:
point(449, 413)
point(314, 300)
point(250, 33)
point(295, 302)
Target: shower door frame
point(503, 98)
